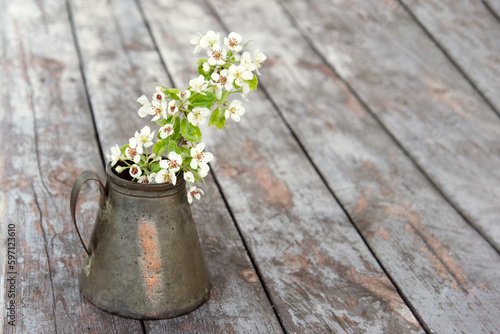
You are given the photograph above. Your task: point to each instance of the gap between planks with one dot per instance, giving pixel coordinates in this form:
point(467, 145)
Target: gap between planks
point(384, 128)
point(449, 56)
point(84, 79)
point(219, 187)
point(321, 176)
point(44, 186)
point(492, 10)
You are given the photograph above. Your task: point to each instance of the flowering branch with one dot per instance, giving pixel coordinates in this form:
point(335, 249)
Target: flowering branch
point(226, 71)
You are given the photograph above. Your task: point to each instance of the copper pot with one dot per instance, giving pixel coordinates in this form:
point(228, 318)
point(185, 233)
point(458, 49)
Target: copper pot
point(144, 258)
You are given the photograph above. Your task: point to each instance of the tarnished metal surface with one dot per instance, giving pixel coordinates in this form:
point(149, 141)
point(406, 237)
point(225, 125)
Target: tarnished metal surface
point(144, 257)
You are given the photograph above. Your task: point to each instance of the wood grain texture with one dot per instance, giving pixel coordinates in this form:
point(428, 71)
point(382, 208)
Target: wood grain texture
point(470, 35)
point(120, 64)
point(47, 138)
point(420, 240)
point(424, 102)
point(321, 276)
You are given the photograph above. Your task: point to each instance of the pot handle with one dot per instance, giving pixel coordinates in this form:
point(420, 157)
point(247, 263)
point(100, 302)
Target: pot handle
point(83, 178)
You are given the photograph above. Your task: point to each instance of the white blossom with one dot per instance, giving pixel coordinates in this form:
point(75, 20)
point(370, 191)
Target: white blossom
point(145, 137)
point(133, 151)
point(240, 74)
point(217, 55)
point(143, 179)
point(203, 169)
point(185, 95)
point(198, 116)
point(194, 193)
point(152, 178)
point(173, 163)
point(189, 177)
point(233, 41)
point(165, 176)
point(209, 40)
point(159, 96)
point(146, 108)
point(198, 84)
point(135, 171)
point(116, 154)
point(157, 108)
point(248, 61)
point(259, 59)
point(172, 107)
point(166, 130)
point(206, 67)
point(223, 79)
point(200, 158)
point(196, 41)
point(235, 110)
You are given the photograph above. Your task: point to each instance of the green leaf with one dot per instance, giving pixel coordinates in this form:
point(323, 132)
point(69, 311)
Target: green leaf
point(221, 122)
point(172, 90)
point(173, 96)
point(176, 135)
point(224, 97)
point(172, 147)
point(162, 122)
point(190, 132)
point(160, 147)
point(155, 167)
point(172, 93)
point(253, 83)
point(203, 100)
point(214, 117)
point(177, 126)
point(124, 148)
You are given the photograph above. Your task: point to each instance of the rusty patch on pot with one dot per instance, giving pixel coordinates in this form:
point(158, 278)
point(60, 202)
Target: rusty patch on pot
point(150, 260)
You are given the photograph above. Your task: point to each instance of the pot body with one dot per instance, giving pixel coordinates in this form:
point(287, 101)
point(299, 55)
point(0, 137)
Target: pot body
point(144, 258)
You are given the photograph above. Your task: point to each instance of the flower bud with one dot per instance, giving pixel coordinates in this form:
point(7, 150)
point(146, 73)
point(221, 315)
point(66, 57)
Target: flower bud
point(120, 169)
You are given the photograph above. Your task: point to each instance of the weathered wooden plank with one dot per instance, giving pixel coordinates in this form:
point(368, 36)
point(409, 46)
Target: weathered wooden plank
point(419, 97)
point(321, 276)
point(47, 138)
point(420, 240)
point(494, 7)
point(120, 64)
point(470, 35)
point(32, 304)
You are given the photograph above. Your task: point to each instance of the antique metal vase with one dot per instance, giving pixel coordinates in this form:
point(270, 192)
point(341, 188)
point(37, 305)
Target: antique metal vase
point(144, 259)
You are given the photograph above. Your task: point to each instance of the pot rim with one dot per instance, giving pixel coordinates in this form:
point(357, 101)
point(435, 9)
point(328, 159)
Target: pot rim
point(128, 186)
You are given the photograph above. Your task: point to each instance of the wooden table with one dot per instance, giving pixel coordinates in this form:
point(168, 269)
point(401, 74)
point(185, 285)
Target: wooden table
point(359, 194)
